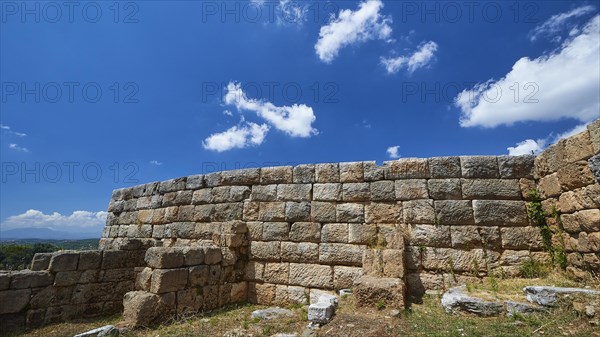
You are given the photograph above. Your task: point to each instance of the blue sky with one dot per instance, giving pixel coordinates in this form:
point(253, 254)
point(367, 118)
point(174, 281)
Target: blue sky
point(99, 96)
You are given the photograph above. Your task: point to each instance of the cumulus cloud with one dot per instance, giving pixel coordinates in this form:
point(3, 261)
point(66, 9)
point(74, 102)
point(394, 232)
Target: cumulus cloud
point(57, 221)
point(17, 147)
point(392, 152)
point(352, 27)
point(530, 146)
point(237, 137)
point(559, 22)
point(561, 84)
point(419, 59)
point(7, 129)
point(295, 120)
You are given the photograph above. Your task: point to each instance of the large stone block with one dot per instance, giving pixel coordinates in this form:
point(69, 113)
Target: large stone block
point(272, 211)
point(294, 192)
point(276, 175)
point(227, 211)
point(143, 309)
point(350, 212)
point(275, 231)
point(351, 172)
point(29, 279)
point(528, 238)
point(445, 189)
point(251, 209)
point(372, 171)
point(585, 220)
point(356, 192)
point(299, 252)
point(194, 182)
point(40, 261)
point(172, 185)
point(164, 257)
point(583, 198)
point(594, 130)
point(575, 175)
point(360, 233)
point(369, 291)
point(549, 186)
point(406, 168)
point(479, 167)
point(430, 235)
point(418, 211)
point(168, 280)
point(472, 236)
point(327, 192)
point(516, 167)
point(264, 193)
point(340, 254)
point(594, 164)
point(382, 190)
point(64, 261)
point(409, 189)
point(495, 189)
point(444, 167)
point(344, 277)
point(265, 251)
point(323, 211)
point(454, 212)
point(327, 173)
point(305, 231)
point(276, 273)
point(500, 213)
point(455, 259)
point(249, 176)
point(297, 211)
point(379, 212)
point(304, 174)
point(578, 147)
point(13, 301)
point(311, 275)
point(334, 232)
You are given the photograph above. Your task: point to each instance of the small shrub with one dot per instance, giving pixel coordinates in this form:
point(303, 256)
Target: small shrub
point(534, 269)
point(380, 305)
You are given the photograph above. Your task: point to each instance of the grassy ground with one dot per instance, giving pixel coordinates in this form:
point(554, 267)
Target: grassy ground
point(426, 319)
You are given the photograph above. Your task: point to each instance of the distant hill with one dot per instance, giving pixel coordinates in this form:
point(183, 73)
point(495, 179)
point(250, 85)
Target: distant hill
point(46, 233)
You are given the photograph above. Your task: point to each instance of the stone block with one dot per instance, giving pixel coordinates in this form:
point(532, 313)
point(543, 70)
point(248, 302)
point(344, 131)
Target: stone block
point(382, 190)
point(406, 168)
point(274, 231)
point(41, 261)
point(13, 301)
point(526, 238)
point(549, 186)
point(340, 254)
point(261, 293)
point(594, 164)
point(500, 213)
point(297, 211)
point(393, 263)
point(227, 211)
point(409, 189)
point(578, 147)
point(276, 175)
point(255, 230)
point(249, 176)
point(327, 192)
point(350, 212)
point(142, 309)
point(311, 275)
point(360, 233)
point(454, 212)
point(304, 174)
point(28, 279)
point(575, 175)
point(444, 189)
point(64, 261)
point(379, 212)
point(368, 291)
point(305, 231)
point(164, 257)
point(4, 280)
point(585, 220)
point(479, 167)
point(469, 237)
point(494, 189)
point(351, 172)
point(264, 193)
point(444, 167)
point(66, 278)
point(429, 235)
point(327, 173)
point(271, 211)
point(239, 292)
point(418, 211)
point(594, 130)
point(251, 209)
point(583, 198)
point(356, 192)
point(254, 271)
point(172, 185)
point(194, 182)
point(299, 252)
point(516, 167)
point(192, 256)
point(344, 277)
point(323, 211)
point(334, 232)
point(320, 312)
point(212, 255)
point(168, 280)
point(372, 172)
point(265, 251)
point(276, 273)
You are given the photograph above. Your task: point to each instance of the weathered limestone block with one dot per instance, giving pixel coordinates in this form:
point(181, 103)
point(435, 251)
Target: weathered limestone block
point(418, 283)
point(227, 211)
point(164, 258)
point(586, 220)
point(276, 273)
point(172, 185)
point(430, 235)
point(311, 275)
point(379, 212)
point(360, 233)
point(406, 168)
point(40, 261)
point(323, 211)
point(305, 231)
point(66, 278)
point(356, 192)
point(548, 296)
point(457, 299)
point(212, 255)
point(273, 231)
point(249, 176)
point(350, 212)
point(445, 189)
point(393, 263)
point(143, 279)
point(299, 252)
point(594, 164)
point(193, 256)
point(322, 311)
point(594, 130)
point(168, 280)
point(340, 254)
point(454, 212)
point(30, 279)
point(239, 292)
point(264, 193)
point(454, 259)
point(272, 211)
point(327, 173)
point(344, 277)
point(575, 175)
point(382, 190)
point(500, 212)
point(472, 236)
point(334, 232)
point(369, 291)
point(418, 211)
point(550, 160)
point(213, 179)
point(327, 192)
point(254, 271)
point(194, 182)
point(142, 309)
point(255, 230)
point(491, 189)
point(409, 189)
point(251, 209)
point(297, 211)
point(515, 167)
point(13, 301)
point(304, 174)
point(479, 167)
point(266, 251)
point(444, 167)
point(276, 175)
point(372, 171)
point(578, 147)
point(583, 198)
point(588, 242)
point(351, 172)
point(64, 261)
point(294, 192)
point(527, 238)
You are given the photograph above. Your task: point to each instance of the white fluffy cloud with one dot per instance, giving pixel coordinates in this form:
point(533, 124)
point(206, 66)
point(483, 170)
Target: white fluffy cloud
point(419, 59)
point(237, 137)
point(295, 120)
point(392, 152)
point(562, 84)
point(530, 146)
point(57, 221)
point(7, 129)
point(558, 22)
point(352, 27)
point(155, 163)
point(17, 147)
